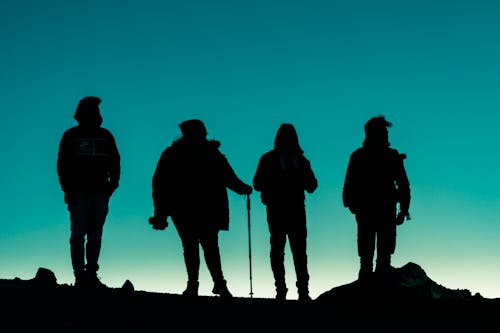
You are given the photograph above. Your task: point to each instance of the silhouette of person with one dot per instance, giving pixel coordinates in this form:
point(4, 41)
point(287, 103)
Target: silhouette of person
point(282, 176)
point(375, 183)
point(88, 166)
point(190, 185)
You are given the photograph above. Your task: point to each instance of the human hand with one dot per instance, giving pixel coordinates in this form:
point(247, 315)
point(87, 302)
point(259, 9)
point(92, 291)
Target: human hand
point(247, 189)
point(401, 217)
point(158, 223)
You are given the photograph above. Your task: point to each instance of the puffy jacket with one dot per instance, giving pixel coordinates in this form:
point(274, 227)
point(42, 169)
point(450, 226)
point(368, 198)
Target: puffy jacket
point(191, 185)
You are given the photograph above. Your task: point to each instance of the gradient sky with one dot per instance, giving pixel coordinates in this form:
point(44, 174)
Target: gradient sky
point(244, 67)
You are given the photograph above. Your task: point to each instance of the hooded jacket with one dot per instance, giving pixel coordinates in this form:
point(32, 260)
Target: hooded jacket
point(282, 178)
point(376, 181)
point(88, 158)
point(190, 185)
point(283, 173)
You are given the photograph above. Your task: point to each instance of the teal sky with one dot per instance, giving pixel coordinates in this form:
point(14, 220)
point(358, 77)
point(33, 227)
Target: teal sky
point(244, 67)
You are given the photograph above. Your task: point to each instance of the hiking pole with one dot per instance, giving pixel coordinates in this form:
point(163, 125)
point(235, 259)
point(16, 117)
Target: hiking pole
point(249, 244)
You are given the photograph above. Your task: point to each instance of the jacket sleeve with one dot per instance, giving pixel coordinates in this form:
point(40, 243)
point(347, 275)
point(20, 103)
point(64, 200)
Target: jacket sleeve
point(260, 178)
point(403, 185)
point(232, 181)
point(310, 181)
point(348, 191)
point(160, 187)
point(63, 163)
point(114, 163)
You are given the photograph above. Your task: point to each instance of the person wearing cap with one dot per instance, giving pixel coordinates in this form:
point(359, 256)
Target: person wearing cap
point(283, 175)
point(374, 184)
point(88, 166)
point(190, 185)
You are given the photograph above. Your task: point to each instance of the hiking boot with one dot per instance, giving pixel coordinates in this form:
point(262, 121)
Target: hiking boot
point(281, 294)
point(304, 297)
point(220, 288)
point(365, 269)
point(191, 289)
point(93, 281)
point(365, 276)
point(303, 293)
point(80, 281)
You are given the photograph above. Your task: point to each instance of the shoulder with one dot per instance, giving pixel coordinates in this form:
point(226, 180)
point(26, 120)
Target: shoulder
point(104, 132)
point(394, 154)
point(268, 156)
point(212, 149)
point(358, 153)
point(70, 134)
point(177, 150)
point(71, 131)
point(168, 151)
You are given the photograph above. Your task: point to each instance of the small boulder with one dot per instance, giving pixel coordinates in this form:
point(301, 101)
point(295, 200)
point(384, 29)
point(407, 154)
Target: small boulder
point(128, 286)
point(45, 277)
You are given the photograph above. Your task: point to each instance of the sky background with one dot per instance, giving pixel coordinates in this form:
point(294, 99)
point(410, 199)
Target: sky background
point(244, 67)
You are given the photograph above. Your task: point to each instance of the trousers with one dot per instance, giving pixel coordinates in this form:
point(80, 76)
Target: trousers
point(376, 232)
point(87, 215)
point(288, 221)
point(191, 239)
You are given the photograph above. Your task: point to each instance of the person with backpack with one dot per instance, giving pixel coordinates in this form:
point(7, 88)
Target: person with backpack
point(190, 185)
point(282, 176)
point(374, 185)
point(88, 166)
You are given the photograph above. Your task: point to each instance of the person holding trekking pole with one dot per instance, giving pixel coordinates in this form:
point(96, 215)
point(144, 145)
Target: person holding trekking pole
point(190, 185)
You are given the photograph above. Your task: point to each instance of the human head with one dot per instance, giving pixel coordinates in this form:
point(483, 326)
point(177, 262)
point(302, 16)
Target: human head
point(87, 112)
point(193, 130)
point(287, 138)
point(376, 133)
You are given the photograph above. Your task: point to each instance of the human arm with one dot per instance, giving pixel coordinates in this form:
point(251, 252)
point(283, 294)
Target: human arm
point(348, 191)
point(231, 179)
point(114, 165)
point(64, 168)
point(310, 181)
point(160, 192)
point(403, 187)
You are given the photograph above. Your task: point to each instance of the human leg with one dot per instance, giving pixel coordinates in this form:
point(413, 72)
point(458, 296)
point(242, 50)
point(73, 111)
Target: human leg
point(366, 246)
point(386, 245)
point(297, 234)
point(78, 211)
point(98, 210)
point(190, 245)
point(277, 253)
point(210, 243)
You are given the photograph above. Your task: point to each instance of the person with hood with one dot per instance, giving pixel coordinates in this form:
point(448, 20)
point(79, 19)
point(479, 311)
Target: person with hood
point(282, 176)
point(190, 185)
point(88, 166)
point(374, 184)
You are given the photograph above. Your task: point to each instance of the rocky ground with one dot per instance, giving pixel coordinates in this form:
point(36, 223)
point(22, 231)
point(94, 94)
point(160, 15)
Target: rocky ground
point(408, 301)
